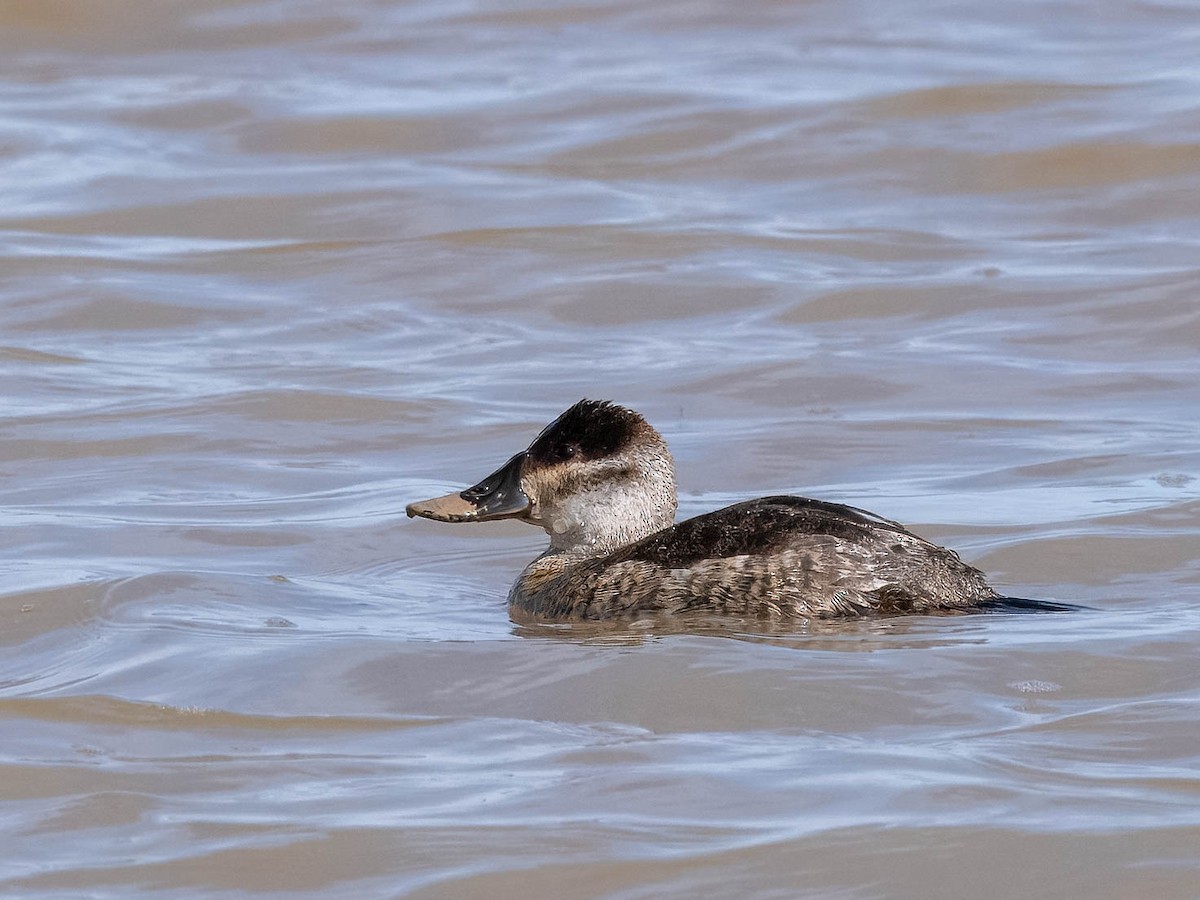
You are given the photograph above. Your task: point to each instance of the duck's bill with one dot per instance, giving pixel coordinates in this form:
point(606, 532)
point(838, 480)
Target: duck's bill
point(451, 508)
point(499, 496)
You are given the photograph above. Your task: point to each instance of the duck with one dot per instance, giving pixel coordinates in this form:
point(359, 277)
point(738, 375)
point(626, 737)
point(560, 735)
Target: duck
point(600, 481)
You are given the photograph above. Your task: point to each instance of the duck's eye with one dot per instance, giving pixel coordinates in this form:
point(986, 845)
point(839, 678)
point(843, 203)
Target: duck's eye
point(556, 451)
point(567, 451)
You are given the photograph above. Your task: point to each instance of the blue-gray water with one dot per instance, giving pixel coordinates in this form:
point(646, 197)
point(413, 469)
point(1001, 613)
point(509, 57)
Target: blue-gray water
point(269, 271)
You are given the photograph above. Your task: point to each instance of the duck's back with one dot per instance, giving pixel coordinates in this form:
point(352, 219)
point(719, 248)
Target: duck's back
point(775, 557)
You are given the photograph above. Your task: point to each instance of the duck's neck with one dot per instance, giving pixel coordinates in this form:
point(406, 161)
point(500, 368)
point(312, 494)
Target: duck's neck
point(599, 520)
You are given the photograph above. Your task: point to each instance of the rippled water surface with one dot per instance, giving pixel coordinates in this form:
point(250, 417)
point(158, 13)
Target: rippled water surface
point(270, 270)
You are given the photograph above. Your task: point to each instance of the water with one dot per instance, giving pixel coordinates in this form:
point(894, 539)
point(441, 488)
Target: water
point(269, 271)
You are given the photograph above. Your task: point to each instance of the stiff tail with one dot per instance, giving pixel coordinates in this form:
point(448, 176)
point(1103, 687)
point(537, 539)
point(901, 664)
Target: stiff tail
point(1021, 605)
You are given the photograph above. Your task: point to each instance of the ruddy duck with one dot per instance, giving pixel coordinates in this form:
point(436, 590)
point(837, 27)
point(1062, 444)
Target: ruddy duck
point(601, 482)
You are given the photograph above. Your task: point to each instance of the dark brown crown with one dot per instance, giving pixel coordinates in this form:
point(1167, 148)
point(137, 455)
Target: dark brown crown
point(590, 429)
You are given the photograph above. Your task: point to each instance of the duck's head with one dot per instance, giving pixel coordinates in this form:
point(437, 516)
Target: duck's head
point(597, 477)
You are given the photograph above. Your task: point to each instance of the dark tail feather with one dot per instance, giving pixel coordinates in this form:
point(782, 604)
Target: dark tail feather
point(1021, 605)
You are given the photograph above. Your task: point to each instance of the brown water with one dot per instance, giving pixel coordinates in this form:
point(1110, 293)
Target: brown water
point(269, 271)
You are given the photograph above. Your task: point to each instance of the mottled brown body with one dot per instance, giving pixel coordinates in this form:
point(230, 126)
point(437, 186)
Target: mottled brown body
point(601, 482)
point(774, 558)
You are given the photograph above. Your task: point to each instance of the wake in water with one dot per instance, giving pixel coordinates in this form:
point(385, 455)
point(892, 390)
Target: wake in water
point(1021, 605)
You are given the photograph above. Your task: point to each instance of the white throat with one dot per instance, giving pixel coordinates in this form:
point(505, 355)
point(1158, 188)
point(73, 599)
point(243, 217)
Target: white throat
point(601, 519)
